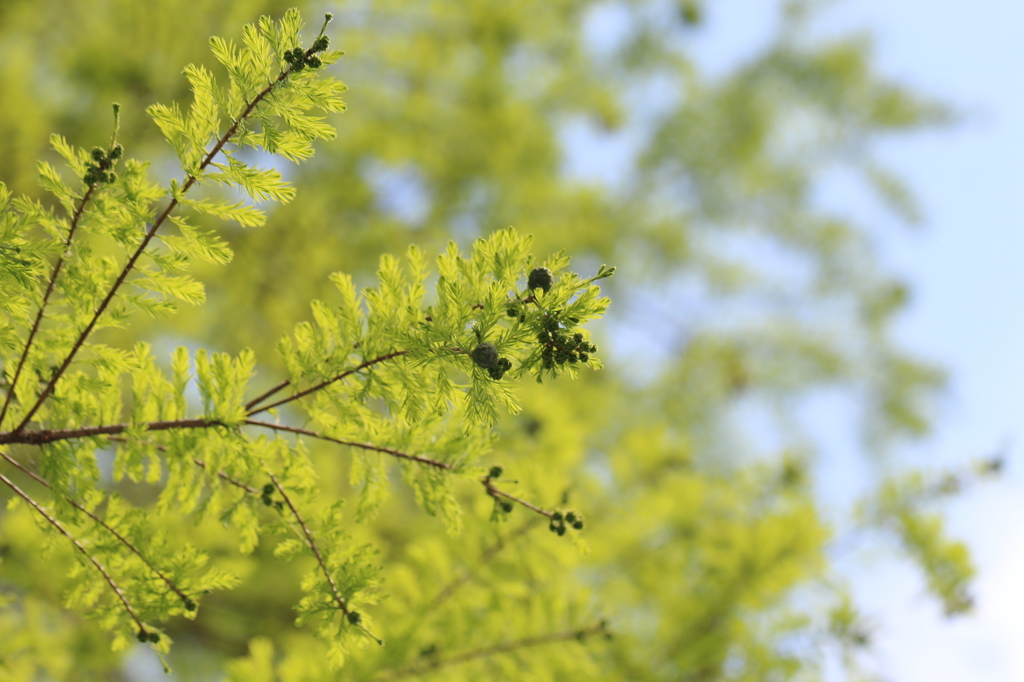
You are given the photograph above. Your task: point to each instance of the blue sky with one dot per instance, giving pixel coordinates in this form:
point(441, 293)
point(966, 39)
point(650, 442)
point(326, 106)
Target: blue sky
point(966, 268)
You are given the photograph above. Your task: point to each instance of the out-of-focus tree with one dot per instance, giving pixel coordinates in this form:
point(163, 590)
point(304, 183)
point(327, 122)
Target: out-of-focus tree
point(707, 553)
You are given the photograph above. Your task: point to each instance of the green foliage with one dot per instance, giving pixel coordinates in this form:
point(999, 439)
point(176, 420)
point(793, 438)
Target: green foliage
point(900, 507)
point(392, 350)
point(224, 468)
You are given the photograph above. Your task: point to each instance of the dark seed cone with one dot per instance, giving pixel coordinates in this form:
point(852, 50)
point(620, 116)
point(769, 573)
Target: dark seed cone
point(540, 278)
point(485, 355)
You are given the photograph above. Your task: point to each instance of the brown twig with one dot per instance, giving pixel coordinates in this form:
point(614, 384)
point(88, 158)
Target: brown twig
point(339, 600)
point(46, 299)
point(263, 396)
point(317, 387)
point(78, 545)
point(123, 540)
point(496, 493)
point(150, 233)
point(51, 435)
point(342, 604)
point(247, 488)
point(355, 444)
point(484, 652)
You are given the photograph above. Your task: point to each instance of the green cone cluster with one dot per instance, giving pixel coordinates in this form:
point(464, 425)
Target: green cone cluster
point(560, 347)
point(268, 497)
point(504, 505)
point(144, 636)
point(560, 520)
point(299, 60)
point(98, 171)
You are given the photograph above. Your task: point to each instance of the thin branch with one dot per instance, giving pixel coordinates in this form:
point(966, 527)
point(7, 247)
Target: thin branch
point(342, 603)
point(355, 444)
point(321, 385)
point(46, 299)
point(263, 396)
point(496, 493)
point(46, 436)
point(78, 545)
point(123, 540)
point(150, 233)
point(40, 437)
point(437, 662)
point(50, 436)
point(247, 488)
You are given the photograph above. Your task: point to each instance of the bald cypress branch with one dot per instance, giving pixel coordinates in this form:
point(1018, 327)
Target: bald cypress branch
point(253, 410)
point(46, 299)
point(123, 540)
point(353, 444)
point(150, 233)
point(78, 545)
point(311, 541)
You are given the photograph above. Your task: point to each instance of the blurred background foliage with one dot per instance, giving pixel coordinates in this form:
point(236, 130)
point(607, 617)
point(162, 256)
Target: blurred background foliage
point(739, 301)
